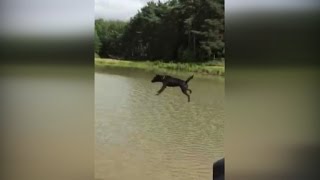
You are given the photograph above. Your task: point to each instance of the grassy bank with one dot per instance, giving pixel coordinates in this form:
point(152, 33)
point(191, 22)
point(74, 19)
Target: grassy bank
point(204, 68)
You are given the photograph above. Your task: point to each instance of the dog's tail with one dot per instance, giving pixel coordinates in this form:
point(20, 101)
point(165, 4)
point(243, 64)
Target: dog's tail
point(189, 79)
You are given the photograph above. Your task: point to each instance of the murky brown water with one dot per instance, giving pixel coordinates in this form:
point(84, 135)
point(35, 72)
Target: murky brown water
point(141, 136)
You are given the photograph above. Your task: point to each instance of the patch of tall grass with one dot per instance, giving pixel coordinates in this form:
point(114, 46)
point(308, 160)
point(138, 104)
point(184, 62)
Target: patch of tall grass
point(201, 68)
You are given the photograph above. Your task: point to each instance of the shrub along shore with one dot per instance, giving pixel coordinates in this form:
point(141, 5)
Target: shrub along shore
point(210, 68)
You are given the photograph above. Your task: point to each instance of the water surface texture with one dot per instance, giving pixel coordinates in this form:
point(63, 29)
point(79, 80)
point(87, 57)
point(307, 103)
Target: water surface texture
point(141, 136)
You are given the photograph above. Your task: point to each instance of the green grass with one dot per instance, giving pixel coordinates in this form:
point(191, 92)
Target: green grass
point(203, 68)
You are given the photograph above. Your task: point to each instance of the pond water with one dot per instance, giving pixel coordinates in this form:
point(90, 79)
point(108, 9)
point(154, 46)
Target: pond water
point(141, 136)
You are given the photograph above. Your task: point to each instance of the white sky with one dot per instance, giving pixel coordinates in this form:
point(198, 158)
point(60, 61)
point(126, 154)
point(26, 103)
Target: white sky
point(124, 9)
point(119, 9)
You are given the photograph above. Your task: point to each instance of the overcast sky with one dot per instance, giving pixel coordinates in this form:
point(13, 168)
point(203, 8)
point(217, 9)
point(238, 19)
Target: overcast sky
point(118, 9)
point(124, 9)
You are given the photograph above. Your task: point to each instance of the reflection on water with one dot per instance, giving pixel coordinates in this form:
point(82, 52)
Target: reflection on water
point(141, 136)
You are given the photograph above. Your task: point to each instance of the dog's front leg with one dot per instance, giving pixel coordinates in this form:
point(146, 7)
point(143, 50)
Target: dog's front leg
point(162, 88)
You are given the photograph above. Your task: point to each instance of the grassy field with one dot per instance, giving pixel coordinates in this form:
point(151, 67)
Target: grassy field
point(204, 68)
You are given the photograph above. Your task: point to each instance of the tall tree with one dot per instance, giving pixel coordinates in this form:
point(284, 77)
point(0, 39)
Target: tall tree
point(97, 42)
point(177, 30)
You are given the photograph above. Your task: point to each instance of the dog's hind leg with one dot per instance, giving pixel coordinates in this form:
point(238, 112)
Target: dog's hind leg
point(184, 91)
point(187, 96)
point(189, 91)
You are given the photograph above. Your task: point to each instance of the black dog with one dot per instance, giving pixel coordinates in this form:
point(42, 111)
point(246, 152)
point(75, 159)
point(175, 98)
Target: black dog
point(173, 82)
point(218, 170)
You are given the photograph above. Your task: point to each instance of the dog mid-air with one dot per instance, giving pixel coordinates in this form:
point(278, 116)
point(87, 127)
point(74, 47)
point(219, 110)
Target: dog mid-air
point(168, 81)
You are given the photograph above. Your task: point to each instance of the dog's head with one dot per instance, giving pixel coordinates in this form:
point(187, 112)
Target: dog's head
point(157, 78)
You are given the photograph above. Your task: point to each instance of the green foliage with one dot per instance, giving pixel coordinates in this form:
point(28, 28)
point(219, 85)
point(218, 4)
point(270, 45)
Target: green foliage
point(97, 42)
point(177, 30)
point(110, 35)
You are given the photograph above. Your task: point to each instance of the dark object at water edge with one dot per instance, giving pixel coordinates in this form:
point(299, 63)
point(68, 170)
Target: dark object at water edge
point(218, 170)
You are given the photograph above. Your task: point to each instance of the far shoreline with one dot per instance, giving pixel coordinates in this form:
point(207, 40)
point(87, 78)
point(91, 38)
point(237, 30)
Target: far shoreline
point(196, 68)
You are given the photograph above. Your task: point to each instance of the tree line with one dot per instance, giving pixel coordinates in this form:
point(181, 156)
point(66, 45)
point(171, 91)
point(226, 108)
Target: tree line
point(176, 30)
